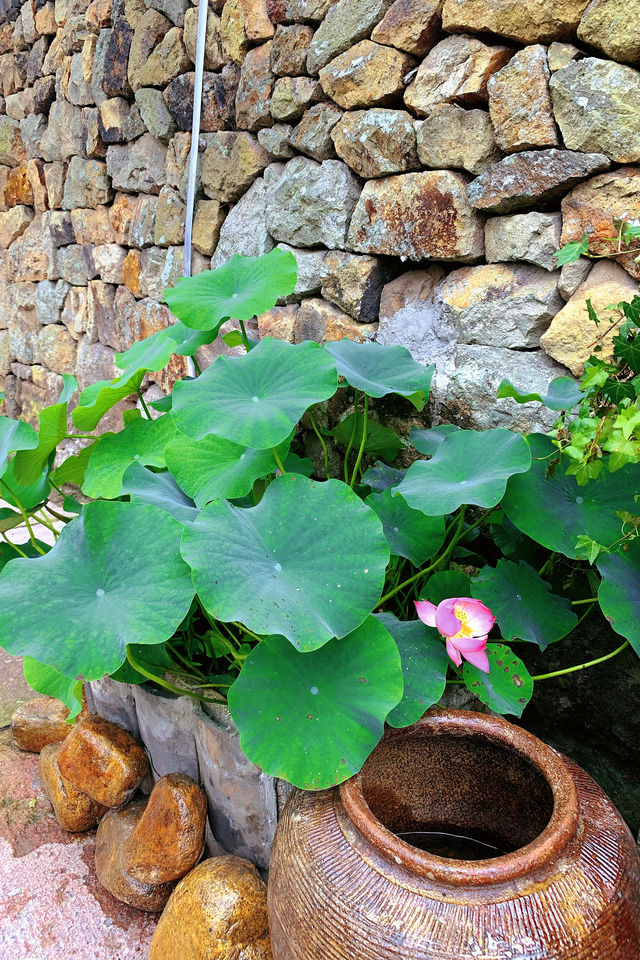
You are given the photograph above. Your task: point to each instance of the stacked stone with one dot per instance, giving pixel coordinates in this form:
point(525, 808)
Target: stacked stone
point(470, 137)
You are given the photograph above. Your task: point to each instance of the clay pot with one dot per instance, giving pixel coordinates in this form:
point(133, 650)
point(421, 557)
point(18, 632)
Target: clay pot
point(342, 883)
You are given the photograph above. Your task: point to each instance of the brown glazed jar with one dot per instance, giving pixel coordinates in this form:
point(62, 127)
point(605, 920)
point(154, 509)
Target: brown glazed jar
point(565, 883)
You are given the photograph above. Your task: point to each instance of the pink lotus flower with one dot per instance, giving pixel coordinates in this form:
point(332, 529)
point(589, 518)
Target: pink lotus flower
point(465, 625)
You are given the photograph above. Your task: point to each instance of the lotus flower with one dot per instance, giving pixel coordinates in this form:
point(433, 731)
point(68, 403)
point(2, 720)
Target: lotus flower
point(465, 625)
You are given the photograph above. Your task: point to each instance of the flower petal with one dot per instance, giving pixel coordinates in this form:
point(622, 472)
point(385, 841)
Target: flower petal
point(479, 659)
point(453, 653)
point(479, 618)
point(426, 611)
point(446, 620)
point(469, 644)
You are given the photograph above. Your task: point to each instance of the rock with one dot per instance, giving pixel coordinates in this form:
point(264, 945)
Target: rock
point(57, 348)
point(469, 397)
point(31, 256)
point(410, 25)
point(220, 909)
point(54, 177)
point(115, 59)
point(572, 336)
point(103, 760)
point(74, 810)
point(177, 164)
point(92, 226)
point(219, 91)
point(279, 322)
point(244, 22)
point(168, 60)
point(560, 55)
point(13, 224)
point(18, 190)
point(546, 21)
point(344, 25)
point(367, 74)
point(298, 11)
point(213, 55)
point(354, 283)
point(232, 161)
point(39, 722)
point(417, 215)
point(119, 121)
point(12, 151)
point(149, 32)
point(254, 90)
point(416, 285)
point(168, 839)
point(169, 224)
point(592, 206)
point(312, 136)
point(292, 95)
point(173, 9)
point(312, 203)
point(44, 93)
point(532, 177)
point(595, 106)
point(520, 103)
point(161, 268)
point(37, 182)
point(275, 140)
point(289, 49)
point(245, 230)
point(613, 26)
point(571, 276)
point(78, 90)
point(323, 322)
point(451, 136)
point(115, 827)
point(457, 70)
point(500, 305)
point(75, 264)
point(137, 166)
point(64, 135)
point(87, 184)
point(109, 259)
point(207, 221)
point(310, 271)
point(376, 142)
point(155, 114)
point(49, 299)
point(530, 237)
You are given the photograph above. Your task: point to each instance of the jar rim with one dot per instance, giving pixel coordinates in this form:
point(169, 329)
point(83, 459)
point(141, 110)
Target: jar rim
point(560, 829)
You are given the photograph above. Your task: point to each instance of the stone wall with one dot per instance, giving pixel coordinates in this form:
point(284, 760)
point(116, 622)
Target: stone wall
point(422, 159)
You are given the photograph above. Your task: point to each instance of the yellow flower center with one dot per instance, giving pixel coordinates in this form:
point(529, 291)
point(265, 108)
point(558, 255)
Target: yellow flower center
point(465, 630)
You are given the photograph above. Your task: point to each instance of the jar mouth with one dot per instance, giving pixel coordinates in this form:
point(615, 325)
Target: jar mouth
point(467, 773)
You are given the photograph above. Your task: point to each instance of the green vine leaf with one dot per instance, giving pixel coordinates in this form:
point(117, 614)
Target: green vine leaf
point(314, 718)
point(508, 686)
point(424, 666)
point(308, 562)
point(379, 371)
point(572, 251)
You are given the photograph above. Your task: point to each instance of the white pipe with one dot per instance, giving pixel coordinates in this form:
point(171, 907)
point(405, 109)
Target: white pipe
point(203, 10)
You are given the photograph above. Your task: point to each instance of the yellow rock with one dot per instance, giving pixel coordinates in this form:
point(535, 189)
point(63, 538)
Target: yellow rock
point(538, 22)
point(217, 912)
point(74, 810)
point(572, 336)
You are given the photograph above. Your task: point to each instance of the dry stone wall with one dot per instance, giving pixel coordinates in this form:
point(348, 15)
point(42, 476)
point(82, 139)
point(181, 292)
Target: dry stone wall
point(423, 160)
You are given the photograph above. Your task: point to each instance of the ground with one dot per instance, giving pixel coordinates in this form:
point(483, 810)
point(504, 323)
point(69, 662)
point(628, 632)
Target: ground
point(51, 904)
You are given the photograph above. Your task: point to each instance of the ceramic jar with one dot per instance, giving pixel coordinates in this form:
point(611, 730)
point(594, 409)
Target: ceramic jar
point(563, 883)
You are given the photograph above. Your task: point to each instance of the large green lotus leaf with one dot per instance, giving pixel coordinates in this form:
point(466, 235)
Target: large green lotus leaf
point(115, 576)
point(379, 371)
point(508, 686)
point(15, 435)
point(51, 683)
point(428, 441)
point(563, 394)
point(26, 497)
point(241, 288)
point(409, 533)
point(380, 477)
point(99, 397)
point(307, 562)
point(469, 466)
point(155, 351)
point(257, 399)
point(445, 585)
point(52, 428)
point(554, 511)
point(8, 551)
point(159, 490)
point(73, 469)
point(619, 592)
point(314, 718)
point(523, 604)
point(216, 469)
point(379, 442)
point(424, 666)
point(142, 441)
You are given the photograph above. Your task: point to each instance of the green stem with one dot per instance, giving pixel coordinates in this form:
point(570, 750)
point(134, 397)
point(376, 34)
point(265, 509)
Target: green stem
point(81, 436)
point(278, 461)
point(362, 442)
point(144, 406)
point(352, 437)
point(544, 566)
point(577, 603)
point(14, 545)
point(165, 683)
point(245, 338)
point(25, 517)
point(421, 573)
point(246, 630)
point(323, 444)
point(583, 666)
point(40, 517)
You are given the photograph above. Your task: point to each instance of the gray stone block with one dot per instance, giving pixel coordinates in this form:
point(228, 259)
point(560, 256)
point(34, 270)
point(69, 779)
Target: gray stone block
point(167, 731)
